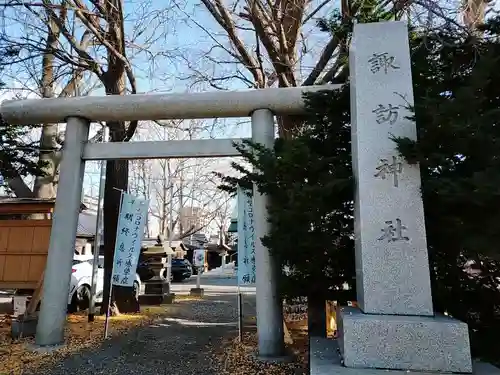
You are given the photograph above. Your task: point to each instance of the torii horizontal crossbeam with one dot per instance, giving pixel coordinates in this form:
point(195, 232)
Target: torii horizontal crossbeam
point(281, 101)
point(199, 148)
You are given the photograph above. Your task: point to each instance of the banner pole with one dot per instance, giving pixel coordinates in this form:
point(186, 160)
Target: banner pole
point(240, 313)
point(242, 254)
point(108, 310)
point(106, 322)
point(97, 237)
point(198, 278)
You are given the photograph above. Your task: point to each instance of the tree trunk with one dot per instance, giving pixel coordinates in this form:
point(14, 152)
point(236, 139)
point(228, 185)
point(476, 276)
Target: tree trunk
point(19, 187)
point(44, 185)
point(289, 126)
point(116, 170)
point(48, 161)
point(123, 300)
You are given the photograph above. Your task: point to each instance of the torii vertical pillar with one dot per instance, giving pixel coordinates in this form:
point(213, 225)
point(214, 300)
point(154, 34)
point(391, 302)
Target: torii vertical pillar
point(53, 310)
point(269, 305)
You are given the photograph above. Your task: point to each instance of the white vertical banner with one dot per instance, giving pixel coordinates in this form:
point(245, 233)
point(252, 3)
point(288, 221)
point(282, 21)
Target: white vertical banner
point(129, 234)
point(199, 258)
point(246, 238)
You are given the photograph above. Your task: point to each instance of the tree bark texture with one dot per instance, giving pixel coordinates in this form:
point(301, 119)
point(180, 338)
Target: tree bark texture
point(122, 299)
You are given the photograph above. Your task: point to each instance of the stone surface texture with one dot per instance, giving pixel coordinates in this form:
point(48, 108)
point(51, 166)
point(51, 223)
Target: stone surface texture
point(418, 343)
point(23, 327)
point(395, 327)
point(197, 292)
point(325, 360)
point(392, 265)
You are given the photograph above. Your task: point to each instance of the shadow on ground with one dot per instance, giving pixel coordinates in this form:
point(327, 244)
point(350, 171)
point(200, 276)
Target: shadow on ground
point(183, 343)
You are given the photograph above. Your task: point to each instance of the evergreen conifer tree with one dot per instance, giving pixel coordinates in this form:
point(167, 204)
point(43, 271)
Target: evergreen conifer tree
point(18, 154)
point(310, 183)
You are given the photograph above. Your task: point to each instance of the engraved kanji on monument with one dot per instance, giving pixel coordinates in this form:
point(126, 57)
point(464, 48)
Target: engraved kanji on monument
point(394, 271)
point(394, 327)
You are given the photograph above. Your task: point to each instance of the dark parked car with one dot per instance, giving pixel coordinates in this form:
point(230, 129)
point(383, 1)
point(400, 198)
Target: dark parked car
point(181, 269)
point(144, 271)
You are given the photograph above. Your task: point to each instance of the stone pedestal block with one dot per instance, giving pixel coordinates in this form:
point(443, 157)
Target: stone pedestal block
point(197, 292)
point(418, 343)
point(156, 292)
point(324, 359)
point(24, 326)
point(156, 287)
point(157, 299)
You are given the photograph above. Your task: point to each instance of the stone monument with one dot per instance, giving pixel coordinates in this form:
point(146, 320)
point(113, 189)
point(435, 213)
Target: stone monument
point(395, 326)
point(156, 288)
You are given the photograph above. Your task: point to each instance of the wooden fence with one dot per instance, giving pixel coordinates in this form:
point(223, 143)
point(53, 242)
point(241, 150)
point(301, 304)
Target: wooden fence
point(24, 246)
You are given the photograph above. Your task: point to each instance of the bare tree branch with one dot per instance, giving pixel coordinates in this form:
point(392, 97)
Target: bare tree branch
point(315, 11)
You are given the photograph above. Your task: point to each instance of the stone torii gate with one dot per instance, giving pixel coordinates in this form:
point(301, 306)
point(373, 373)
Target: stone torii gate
point(78, 113)
point(395, 327)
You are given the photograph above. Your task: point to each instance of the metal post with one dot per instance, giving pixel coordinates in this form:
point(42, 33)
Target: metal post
point(110, 294)
point(97, 237)
point(240, 313)
point(269, 306)
point(50, 327)
point(198, 278)
point(170, 235)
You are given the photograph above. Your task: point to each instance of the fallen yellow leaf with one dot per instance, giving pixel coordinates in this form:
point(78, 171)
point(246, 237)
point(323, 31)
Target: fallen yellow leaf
point(16, 358)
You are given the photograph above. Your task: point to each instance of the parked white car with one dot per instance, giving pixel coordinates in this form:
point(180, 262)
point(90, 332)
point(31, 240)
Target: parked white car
point(81, 280)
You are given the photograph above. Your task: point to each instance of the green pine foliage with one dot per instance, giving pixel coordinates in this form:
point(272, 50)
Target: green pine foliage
point(310, 184)
point(18, 155)
point(311, 188)
point(457, 111)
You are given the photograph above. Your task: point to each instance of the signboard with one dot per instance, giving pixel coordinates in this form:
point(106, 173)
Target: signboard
point(199, 258)
point(129, 233)
point(295, 309)
point(246, 238)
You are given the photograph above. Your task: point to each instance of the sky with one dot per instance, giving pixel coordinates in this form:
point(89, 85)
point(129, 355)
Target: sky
point(183, 34)
point(160, 69)
point(169, 43)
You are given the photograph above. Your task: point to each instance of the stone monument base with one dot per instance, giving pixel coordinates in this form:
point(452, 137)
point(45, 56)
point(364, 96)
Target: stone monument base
point(157, 299)
point(24, 326)
point(324, 359)
point(156, 292)
point(396, 342)
point(156, 287)
point(196, 292)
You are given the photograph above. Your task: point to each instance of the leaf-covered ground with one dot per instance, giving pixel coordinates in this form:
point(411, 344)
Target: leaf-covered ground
point(17, 358)
point(82, 338)
point(239, 358)
point(191, 336)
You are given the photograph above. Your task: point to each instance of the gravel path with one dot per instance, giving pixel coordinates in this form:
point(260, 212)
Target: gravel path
point(178, 345)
